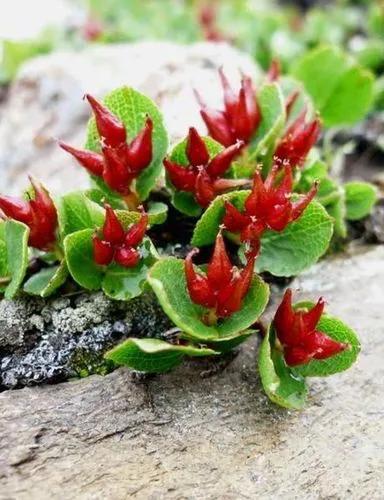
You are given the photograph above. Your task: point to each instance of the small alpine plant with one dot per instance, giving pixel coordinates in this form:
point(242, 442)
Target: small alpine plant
point(253, 197)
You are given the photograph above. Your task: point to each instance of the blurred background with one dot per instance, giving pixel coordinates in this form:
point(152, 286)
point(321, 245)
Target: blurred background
point(53, 51)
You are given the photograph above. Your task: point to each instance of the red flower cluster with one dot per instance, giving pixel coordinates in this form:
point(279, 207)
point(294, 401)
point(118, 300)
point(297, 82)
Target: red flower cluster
point(119, 163)
point(240, 118)
point(267, 207)
point(39, 214)
point(202, 177)
point(223, 287)
point(299, 138)
point(207, 16)
point(116, 244)
point(296, 331)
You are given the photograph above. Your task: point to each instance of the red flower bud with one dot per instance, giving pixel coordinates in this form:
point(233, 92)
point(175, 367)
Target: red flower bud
point(183, 178)
point(117, 244)
point(269, 206)
point(298, 141)
point(202, 176)
point(110, 128)
point(296, 331)
point(113, 231)
point(139, 152)
point(223, 287)
point(196, 149)
point(93, 162)
point(127, 256)
point(39, 214)
point(120, 163)
point(197, 284)
point(115, 174)
point(240, 118)
point(102, 251)
point(135, 234)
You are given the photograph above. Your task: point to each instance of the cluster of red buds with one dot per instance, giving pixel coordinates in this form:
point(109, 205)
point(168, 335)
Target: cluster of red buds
point(207, 17)
point(241, 115)
point(268, 206)
point(119, 163)
point(38, 213)
point(296, 331)
point(117, 244)
point(298, 139)
point(223, 287)
point(203, 176)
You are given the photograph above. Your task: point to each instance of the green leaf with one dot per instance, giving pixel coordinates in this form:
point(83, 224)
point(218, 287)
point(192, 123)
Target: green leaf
point(360, 198)
point(79, 255)
point(168, 281)
point(284, 253)
point(299, 245)
point(340, 332)
point(316, 170)
point(157, 212)
point(4, 271)
point(331, 78)
point(336, 209)
point(16, 238)
point(124, 283)
point(47, 281)
point(132, 108)
point(185, 202)
point(272, 108)
point(281, 384)
point(153, 355)
point(76, 212)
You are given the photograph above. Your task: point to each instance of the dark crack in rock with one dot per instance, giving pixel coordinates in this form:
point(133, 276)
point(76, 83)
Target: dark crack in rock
point(46, 342)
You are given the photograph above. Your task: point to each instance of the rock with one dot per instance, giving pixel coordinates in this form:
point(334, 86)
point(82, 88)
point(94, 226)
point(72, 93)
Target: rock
point(51, 341)
point(45, 15)
point(181, 436)
point(45, 102)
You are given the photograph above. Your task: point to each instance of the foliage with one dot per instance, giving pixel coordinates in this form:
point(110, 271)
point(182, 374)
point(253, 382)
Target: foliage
point(99, 239)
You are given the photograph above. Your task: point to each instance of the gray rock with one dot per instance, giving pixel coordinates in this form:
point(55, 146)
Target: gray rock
point(51, 341)
point(45, 102)
point(180, 436)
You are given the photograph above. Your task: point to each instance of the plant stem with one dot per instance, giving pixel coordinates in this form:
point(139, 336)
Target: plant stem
point(131, 200)
point(210, 318)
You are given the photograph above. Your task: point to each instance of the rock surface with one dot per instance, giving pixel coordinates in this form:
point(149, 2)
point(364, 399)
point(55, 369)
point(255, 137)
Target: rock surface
point(45, 102)
point(184, 436)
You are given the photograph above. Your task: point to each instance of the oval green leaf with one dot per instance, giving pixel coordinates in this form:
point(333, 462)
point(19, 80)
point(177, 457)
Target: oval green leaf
point(16, 240)
point(331, 78)
point(273, 116)
point(360, 198)
point(153, 355)
point(47, 281)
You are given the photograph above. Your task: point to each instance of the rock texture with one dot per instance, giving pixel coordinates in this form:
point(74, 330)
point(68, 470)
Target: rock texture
point(45, 102)
point(184, 435)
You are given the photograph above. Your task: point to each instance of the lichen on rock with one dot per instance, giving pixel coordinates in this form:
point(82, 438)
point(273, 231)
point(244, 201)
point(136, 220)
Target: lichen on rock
point(51, 341)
